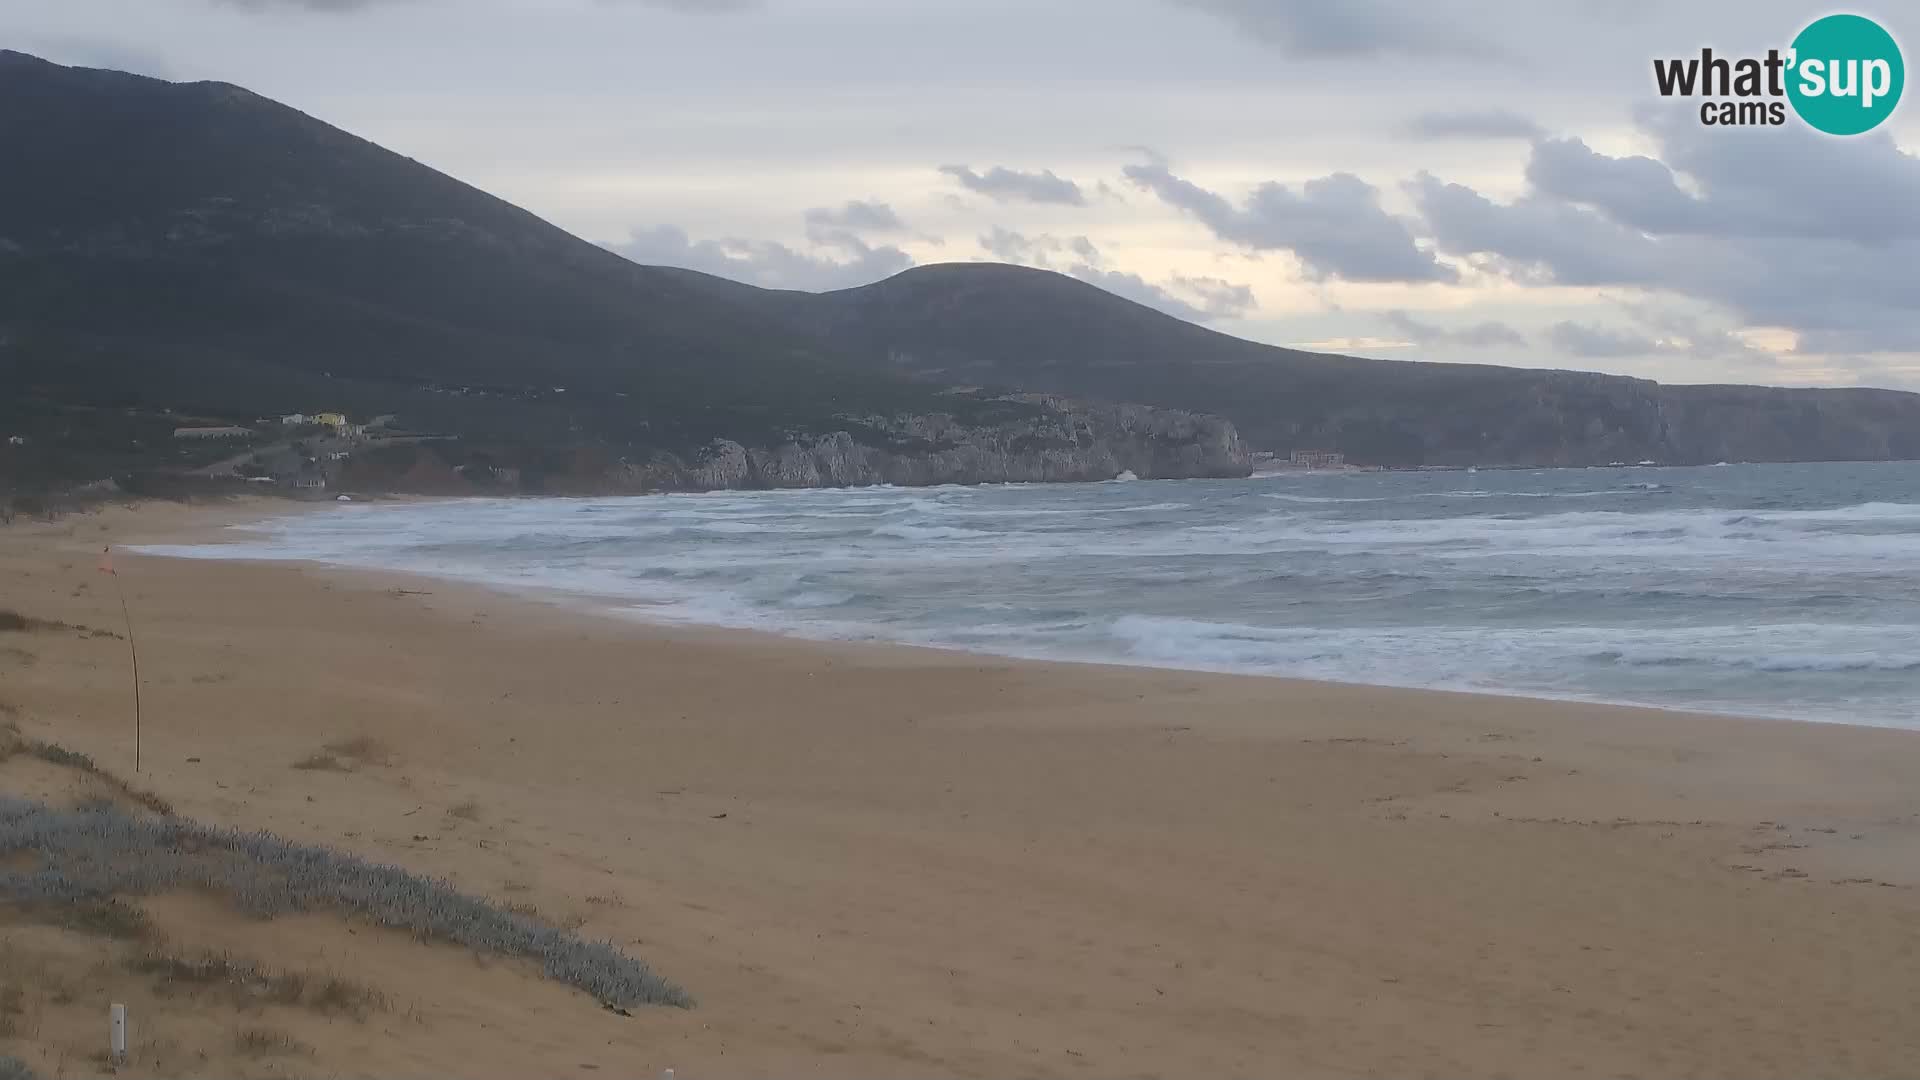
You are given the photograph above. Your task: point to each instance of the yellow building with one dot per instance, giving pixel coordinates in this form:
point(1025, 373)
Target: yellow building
point(330, 419)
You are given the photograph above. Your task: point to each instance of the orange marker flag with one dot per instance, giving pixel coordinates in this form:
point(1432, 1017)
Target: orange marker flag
point(106, 561)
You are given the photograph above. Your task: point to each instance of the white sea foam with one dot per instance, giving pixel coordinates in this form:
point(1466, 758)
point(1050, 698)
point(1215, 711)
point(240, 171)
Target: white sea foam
point(1741, 589)
point(1316, 499)
point(929, 532)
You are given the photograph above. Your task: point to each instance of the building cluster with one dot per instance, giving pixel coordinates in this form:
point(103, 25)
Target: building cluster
point(1318, 459)
point(337, 421)
point(298, 458)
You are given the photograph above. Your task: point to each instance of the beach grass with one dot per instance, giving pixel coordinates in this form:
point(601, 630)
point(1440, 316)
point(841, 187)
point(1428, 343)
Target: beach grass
point(13, 622)
point(245, 983)
point(11, 1006)
point(13, 743)
point(91, 858)
point(259, 1042)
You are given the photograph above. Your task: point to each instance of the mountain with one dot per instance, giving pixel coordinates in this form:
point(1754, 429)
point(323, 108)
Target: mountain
point(202, 240)
point(199, 249)
point(989, 324)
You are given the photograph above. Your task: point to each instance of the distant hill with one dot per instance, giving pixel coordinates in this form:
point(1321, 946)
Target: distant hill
point(198, 248)
point(985, 323)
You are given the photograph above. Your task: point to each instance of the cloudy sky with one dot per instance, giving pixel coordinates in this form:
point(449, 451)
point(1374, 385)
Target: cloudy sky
point(1422, 179)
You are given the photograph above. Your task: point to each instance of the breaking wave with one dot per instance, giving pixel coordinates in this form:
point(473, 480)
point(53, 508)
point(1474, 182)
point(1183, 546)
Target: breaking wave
point(1764, 590)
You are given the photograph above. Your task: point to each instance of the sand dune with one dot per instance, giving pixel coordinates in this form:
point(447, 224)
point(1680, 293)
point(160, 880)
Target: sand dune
point(890, 862)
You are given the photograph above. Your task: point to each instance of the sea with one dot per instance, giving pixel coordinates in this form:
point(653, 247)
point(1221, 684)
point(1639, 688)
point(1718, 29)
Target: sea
point(1762, 590)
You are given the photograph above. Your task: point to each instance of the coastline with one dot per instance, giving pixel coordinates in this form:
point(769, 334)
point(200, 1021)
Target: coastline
point(652, 612)
point(873, 860)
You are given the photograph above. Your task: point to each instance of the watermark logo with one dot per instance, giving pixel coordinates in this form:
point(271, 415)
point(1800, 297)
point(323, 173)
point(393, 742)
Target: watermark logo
point(1843, 75)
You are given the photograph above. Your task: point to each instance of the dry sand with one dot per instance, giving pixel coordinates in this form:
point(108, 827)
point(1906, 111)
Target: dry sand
point(889, 862)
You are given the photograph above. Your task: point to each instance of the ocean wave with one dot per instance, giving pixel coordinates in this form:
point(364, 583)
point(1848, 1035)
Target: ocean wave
point(1601, 493)
point(928, 532)
point(1745, 596)
point(818, 598)
point(723, 527)
point(1772, 663)
point(996, 512)
point(1462, 658)
point(1692, 534)
point(1868, 511)
point(1282, 497)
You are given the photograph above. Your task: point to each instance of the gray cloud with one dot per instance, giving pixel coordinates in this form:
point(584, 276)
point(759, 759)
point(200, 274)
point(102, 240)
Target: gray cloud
point(1042, 251)
point(1002, 184)
point(856, 216)
point(845, 260)
point(1780, 226)
point(1636, 191)
point(1006, 245)
point(1139, 290)
point(1591, 341)
point(1473, 124)
point(1532, 240)
point(1195, 299)
point(1218, 297)
point(1334, 225)
point(1701, 339)
point(1487, 334)
point(1314, 28)
point(1871, 372)
point(1793, 181)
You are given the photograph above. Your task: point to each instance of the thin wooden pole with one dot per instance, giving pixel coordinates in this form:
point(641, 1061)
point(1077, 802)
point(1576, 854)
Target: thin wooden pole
point(133, 649)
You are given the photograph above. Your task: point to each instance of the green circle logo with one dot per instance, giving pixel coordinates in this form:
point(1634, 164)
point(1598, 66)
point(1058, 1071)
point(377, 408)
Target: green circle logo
point(1846, 74)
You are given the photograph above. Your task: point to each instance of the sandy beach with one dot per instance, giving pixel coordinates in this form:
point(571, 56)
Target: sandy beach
point(884, 862)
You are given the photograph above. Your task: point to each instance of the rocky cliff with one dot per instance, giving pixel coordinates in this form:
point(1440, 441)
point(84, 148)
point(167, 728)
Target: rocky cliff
point(1031, 438)
point(1062, 441)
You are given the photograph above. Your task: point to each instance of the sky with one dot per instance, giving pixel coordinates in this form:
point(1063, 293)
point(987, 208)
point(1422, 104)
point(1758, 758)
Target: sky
point(1462, 180)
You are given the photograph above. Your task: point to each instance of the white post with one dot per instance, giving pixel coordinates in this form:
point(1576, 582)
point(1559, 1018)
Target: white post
point(118, 1015)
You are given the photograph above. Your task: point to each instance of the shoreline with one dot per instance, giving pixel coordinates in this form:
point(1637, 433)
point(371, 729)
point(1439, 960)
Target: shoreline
point(882, 861)
point(630, 611)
